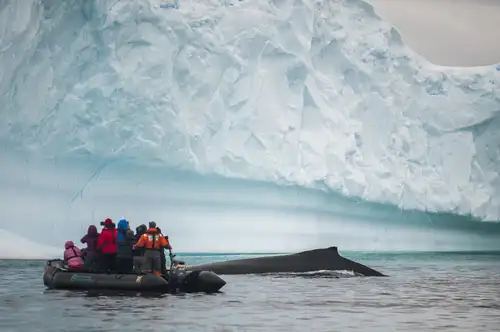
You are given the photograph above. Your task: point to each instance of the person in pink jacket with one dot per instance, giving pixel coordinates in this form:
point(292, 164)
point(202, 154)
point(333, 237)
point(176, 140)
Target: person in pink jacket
point(73, 256)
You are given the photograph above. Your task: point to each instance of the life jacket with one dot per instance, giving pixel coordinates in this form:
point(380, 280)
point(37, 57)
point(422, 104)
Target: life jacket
point(73, 258)
point(152, 240)
point(75, 255)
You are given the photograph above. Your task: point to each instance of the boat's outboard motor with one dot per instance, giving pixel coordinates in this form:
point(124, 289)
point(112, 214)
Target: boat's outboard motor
point(180, 279)
point(176, 275)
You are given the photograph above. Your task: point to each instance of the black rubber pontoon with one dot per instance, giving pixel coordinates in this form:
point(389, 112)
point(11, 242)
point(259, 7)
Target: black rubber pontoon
point(306, 261)
point(178, 279)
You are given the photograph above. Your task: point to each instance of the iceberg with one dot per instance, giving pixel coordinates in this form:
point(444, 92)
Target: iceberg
point(32, 250)
point(303, 108)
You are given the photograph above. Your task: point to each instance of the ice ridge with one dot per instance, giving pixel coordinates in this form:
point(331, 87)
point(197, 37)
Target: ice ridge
point(321, 94)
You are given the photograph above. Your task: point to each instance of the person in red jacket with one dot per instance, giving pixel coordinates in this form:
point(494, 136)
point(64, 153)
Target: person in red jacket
point(107, 245)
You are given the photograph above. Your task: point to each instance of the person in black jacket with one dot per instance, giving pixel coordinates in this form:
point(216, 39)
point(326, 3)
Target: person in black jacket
point(138, 259)
point(163, 257)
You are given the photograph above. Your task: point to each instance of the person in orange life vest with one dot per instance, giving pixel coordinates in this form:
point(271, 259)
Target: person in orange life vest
point(107, 244)
point(153, 243)
point(73, 256)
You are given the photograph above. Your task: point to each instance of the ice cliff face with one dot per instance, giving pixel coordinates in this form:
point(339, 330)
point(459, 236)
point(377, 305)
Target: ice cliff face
point(321, 94)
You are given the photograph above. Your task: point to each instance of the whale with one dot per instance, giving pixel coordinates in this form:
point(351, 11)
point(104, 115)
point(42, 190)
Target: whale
point(306, 261)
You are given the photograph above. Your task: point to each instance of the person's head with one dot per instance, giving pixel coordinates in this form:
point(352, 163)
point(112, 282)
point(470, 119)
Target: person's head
point(141, 229)
point(152, 224)
point(92, 230)
point(69, 244)
point(123, 224)
point(108, 223)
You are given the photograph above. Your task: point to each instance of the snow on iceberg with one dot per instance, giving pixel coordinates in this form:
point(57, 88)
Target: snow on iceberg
point(11, 248)
point(321, 94)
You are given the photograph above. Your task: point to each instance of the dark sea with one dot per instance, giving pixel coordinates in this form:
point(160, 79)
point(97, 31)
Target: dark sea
point(425, 292)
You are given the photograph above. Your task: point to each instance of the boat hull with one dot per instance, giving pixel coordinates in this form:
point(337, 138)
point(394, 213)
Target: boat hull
point(179, 280)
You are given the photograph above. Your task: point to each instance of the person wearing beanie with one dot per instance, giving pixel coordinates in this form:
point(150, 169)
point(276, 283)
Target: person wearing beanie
point(124, 252)
point(107, 245)
point(153, 243)
point(138, 259)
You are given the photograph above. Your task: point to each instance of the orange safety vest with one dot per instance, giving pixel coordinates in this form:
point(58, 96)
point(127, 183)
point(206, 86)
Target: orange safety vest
point(152, 240)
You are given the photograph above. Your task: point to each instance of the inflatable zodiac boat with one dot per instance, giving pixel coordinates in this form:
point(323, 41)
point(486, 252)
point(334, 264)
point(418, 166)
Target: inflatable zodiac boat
point(177, 279)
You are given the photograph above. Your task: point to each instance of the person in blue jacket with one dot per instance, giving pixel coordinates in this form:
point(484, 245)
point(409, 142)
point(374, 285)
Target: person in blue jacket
point(125, 253)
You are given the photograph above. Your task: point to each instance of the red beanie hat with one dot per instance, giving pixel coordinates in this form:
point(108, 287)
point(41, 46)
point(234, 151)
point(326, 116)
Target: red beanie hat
point(108, 221)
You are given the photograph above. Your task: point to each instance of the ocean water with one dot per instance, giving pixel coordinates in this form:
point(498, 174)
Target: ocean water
point(425, 291)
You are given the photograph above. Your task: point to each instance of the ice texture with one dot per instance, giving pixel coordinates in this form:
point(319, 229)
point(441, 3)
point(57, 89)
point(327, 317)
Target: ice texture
point(318, 94)
point(16, 247)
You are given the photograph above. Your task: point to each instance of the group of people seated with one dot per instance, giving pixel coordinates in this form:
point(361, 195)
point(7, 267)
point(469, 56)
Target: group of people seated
point(118, 250)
